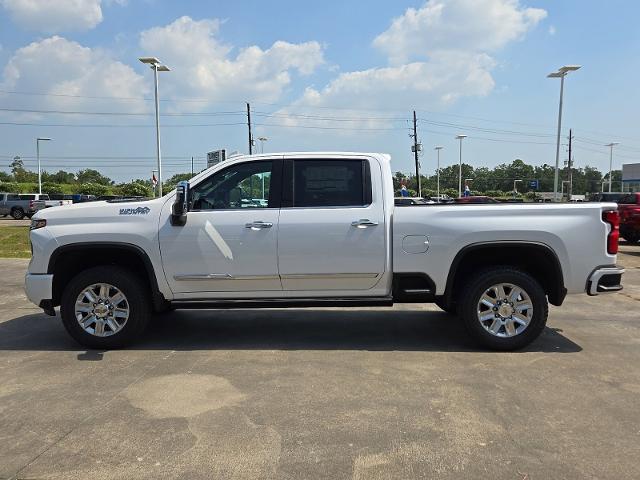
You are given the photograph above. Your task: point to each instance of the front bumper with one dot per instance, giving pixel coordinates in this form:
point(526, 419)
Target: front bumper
point(38, 287)
point(605, 280)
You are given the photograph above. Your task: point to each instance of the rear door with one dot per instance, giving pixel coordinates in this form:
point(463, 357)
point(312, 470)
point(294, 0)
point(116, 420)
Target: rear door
point(331, 234)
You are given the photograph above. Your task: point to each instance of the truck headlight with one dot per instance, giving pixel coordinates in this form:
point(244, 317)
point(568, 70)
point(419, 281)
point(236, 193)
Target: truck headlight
point(38, 223)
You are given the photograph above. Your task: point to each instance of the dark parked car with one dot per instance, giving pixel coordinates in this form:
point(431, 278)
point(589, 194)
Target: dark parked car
point(606, 196)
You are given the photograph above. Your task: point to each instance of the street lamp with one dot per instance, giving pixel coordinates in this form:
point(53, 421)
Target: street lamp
point(515, 188)
point(156, 66)
point(38, 140)
point(437, 149)
point(610, 145)
point(262, 140)
point(561, 73)
point(460, 137)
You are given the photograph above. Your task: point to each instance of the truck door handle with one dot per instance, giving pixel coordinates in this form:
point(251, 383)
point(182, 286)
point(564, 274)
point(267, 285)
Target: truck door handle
point(363, 223)
point(259, 225)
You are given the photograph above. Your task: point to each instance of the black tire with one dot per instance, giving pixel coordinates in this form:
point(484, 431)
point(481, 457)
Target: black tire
point(479, 284)
point(448, 307)
point(17, 213)
point(137, 297)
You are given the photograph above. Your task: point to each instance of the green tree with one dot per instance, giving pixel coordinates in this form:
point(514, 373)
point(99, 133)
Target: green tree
point(92, 176)
point(9, 187)
point(51, 188)
point(21, 174)
point(173, 181)
point(60, 177)
point(135, 189)
point(92, 189)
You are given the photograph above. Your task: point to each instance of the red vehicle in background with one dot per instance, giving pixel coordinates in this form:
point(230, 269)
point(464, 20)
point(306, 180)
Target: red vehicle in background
point(629, 209)
point(475, 199)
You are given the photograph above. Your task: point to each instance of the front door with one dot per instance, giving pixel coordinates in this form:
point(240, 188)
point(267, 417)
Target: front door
point(229, 243)
point(331, 235)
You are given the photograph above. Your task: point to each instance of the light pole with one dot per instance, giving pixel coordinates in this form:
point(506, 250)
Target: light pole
point(156, 66)
point(38, 140)
point(460, 137)
point(610, 145)
point(515, 188)
point(437, 149)
point(262, 140)
point(561, 73)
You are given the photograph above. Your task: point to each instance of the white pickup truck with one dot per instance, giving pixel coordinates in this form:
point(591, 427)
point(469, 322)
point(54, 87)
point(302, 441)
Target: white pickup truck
point(315, 229)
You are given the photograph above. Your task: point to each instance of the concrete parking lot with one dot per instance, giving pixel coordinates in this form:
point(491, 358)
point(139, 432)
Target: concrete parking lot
point(323, 393)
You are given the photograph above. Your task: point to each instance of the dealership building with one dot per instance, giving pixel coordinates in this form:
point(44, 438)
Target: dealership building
point(631, 177)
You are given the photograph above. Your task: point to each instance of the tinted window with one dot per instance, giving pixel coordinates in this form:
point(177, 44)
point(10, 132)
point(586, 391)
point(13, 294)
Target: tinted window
point(13, 196)
point(330, 183)
point(246, 185)
point(44, 197)
point(628, 200)
point(27, 197)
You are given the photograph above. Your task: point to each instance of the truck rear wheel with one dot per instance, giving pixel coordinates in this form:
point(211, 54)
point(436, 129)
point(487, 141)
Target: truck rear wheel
point(105, 307)
point(17, 213)
point(504, 308)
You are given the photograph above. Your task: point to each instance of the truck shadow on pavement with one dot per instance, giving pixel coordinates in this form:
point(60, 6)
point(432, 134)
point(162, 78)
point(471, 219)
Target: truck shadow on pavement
point(291, 329)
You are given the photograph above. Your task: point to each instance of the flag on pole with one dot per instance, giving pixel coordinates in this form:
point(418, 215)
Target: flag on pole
point(154, 180)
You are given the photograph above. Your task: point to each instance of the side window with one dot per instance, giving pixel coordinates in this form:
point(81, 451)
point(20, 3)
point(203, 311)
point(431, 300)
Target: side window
point(628, 200)
point(44, 197)
point(331, 183)
point(27, 197)
point(246, 185)
point(13, 196)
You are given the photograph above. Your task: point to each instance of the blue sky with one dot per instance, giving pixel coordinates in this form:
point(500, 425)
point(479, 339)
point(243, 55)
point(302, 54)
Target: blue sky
point(320, 76)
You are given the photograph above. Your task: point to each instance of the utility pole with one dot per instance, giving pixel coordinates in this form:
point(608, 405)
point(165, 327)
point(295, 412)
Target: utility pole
point(570, 164)
point(192, 166)
point(249, 125)
point(416, 149)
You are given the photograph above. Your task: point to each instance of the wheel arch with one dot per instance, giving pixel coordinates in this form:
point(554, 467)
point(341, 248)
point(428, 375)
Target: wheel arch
point(537, 259)
point(67, 261)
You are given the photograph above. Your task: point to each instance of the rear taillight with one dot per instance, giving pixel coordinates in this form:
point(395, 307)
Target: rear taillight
point(612, 217)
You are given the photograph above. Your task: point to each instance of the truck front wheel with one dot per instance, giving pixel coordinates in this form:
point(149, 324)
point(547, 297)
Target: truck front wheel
point(504, 308)
point(105, 307)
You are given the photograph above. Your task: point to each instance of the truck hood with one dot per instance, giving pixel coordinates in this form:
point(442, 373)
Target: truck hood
point(103, 212)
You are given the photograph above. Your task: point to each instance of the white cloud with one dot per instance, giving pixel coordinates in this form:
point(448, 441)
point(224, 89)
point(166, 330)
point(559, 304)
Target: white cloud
point(467, 25)
point(203, 66)
point(54, 16)
point(437, 54)
point(59, 66)
point(552, 30)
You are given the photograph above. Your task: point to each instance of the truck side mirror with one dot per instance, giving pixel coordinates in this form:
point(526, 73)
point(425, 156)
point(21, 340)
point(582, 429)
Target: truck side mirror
point(180, 205)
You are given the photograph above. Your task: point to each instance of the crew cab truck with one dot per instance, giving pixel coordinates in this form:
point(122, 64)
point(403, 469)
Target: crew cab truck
point(314, 229)
point(20, 205)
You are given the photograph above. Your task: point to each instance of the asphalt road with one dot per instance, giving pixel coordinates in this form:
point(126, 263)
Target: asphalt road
point(365, 394)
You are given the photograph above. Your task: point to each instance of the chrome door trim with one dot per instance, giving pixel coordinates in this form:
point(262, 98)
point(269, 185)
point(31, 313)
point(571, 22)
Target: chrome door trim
point(221, 276)
point(324, 276)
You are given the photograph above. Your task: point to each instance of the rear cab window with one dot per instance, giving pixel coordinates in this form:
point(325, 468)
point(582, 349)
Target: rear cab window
point(309, 183)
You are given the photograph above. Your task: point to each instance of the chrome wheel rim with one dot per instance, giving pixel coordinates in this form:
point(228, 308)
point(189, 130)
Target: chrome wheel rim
point(102, 310)
point(505, 310)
